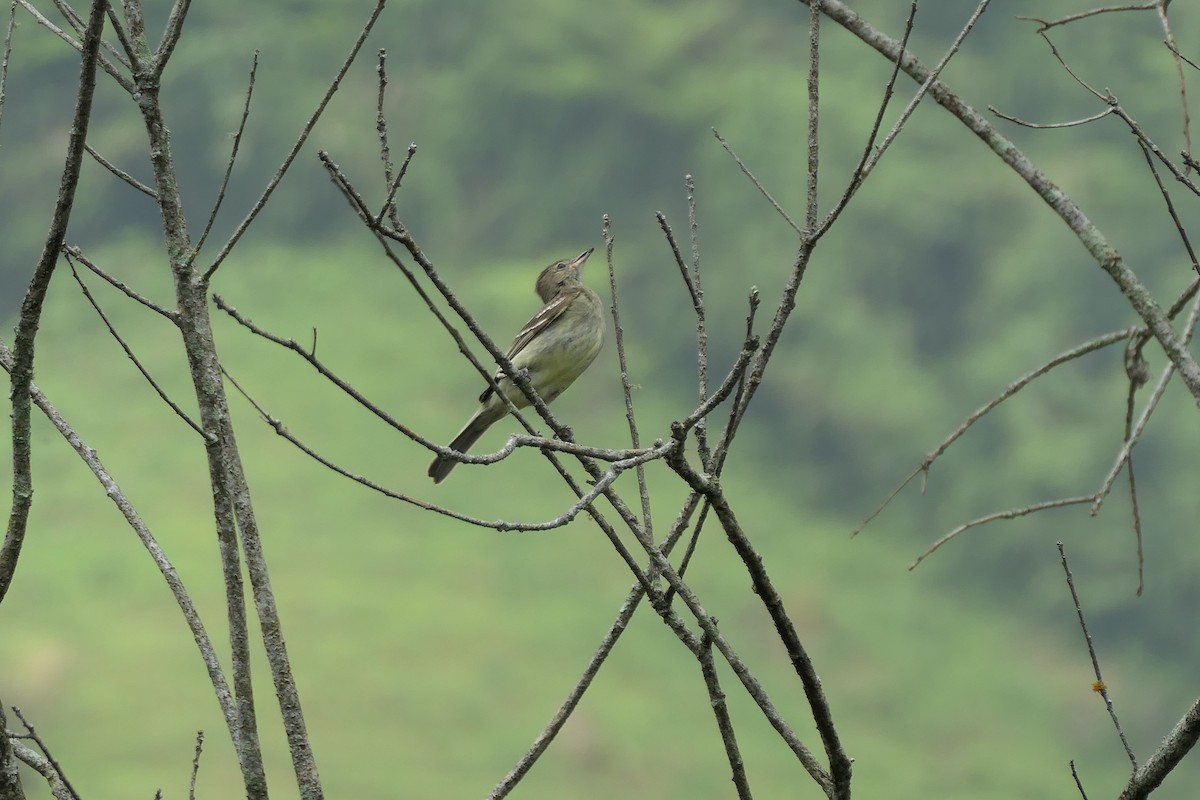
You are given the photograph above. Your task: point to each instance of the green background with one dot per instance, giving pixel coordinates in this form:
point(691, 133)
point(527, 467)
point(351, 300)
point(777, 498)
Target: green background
point(429, 654)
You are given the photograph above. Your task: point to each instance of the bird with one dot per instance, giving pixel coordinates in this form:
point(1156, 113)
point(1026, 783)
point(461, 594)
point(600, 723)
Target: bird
point(558, 343)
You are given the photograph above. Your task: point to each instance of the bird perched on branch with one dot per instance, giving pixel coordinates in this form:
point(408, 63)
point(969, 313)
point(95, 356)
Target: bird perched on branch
point(555, 346)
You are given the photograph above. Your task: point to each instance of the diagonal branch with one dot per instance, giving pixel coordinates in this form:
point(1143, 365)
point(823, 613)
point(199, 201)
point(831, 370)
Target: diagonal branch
point(1093, 240)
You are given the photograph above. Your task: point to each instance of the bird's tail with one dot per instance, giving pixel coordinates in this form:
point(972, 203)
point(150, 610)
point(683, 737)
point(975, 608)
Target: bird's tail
point(470, 433)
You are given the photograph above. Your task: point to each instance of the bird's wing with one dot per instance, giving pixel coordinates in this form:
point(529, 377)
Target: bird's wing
point(538, 323)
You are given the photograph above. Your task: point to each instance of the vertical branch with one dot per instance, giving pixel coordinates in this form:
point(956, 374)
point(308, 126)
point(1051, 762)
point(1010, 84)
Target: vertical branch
point(1099, 686)
point(10, 778)
point(35, 296)
point(708, 669)
point(232, 506)
point(203, 366)
point(1169, 41)
point(814, 94)
point(701, 327)
point(626, 387)
point(6, 52)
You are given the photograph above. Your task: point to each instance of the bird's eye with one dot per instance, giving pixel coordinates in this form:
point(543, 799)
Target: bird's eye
point(561, 265)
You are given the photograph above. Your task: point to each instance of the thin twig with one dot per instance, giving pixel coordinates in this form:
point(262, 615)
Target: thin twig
point(1012, 513)
point(195, 765)
point(757, 184)
point(1166, 196)
point(6, 53)
point(1137, 373)
point(702, 447)
point(77, 254)
point(585, 502)
point(387, 235)
point(1099, 686)
point(859, 175)
point(1045, 24)
point(626, 386)
point(1075, 123)
point(120, 173)
point(233, 153)
point(179, 412)
point(1136, 519)
point(33, 734)
point(1169, 41)
point(835, 780)
point(391, 178)
point(717, 461)
point(1136, 130)
point(105, 64)
point(346, 387)
point(1070, 355)
point(1151, 404)
point(542, 741)
point(300, 140)
point(1105, 255)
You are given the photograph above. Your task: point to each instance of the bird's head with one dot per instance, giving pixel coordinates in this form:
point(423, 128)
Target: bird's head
point(559, 274)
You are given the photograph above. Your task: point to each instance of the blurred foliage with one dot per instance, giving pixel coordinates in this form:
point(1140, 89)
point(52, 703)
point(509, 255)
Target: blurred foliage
point(437, 652)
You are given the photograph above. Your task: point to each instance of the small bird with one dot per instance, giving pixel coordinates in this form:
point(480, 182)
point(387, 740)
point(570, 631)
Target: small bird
point(556, 346)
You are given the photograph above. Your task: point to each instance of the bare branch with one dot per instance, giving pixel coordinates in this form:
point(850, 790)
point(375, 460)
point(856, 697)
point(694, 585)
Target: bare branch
point(105, 64)
point(6, 53)
point(38, 763)
point(1044, 24)
point(10, 775)
point(1075, 123)
point(626, 386)
point(58, 770)
point(619, 465)
point(1178, 743)
point(1099, 686)
point(701, 325)
point(1070, 355)
point(716, 697)
point(179, 412)
point(233, 153)
point(757, 184)
point(135, 521)
point(873, 155)
point(120, 173)
point(195, 765)
point(1152, 403)
point(542, 741)
point(76, 253)
point(170, 37)
point(21, 373)
point(300, 140)
point(1105, 255)
point(1012, 513)
point(859, 175)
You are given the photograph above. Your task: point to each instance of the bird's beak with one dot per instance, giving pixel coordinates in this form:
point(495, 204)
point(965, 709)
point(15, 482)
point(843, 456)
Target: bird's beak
point(578, 262)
